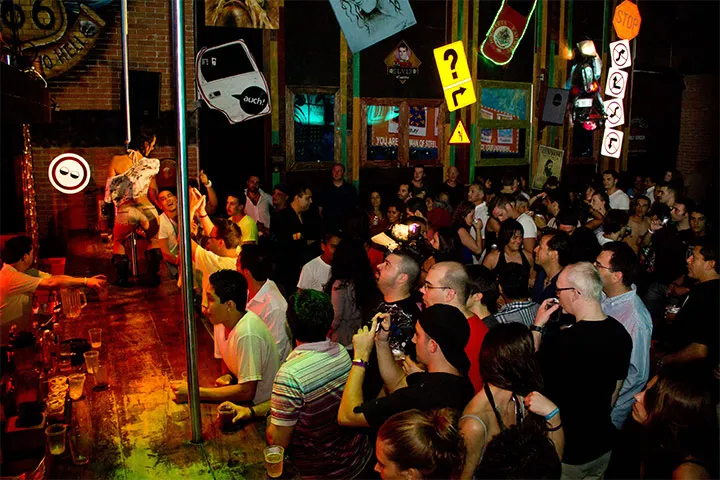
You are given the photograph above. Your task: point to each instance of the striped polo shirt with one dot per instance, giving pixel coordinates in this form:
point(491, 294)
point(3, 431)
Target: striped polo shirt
point(306, 395)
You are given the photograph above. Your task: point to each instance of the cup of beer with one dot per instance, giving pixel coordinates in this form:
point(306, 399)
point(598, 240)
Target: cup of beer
point(274, 460)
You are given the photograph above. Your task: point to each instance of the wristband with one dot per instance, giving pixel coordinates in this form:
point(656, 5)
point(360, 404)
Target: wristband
point(552, 414)
point(202, 216)
point(537, 328)
point(252, 412)
point(208, 184)
point(360, 363)
point(554, 429)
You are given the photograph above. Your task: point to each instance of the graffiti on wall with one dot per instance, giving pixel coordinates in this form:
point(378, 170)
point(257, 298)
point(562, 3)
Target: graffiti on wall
point(52, 35)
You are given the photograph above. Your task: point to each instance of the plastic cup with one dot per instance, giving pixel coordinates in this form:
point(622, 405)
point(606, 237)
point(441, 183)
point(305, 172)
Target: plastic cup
point(274, 460)
point(226, 414)
point(56, 438)
point(65, 361)
point(92, 360)
point(95, 337)
point(101, 376)
point(56, 408)
point(80, 446)
point(77, 384)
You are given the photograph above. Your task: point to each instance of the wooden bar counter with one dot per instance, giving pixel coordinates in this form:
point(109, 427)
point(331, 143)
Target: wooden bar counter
point(138, 431)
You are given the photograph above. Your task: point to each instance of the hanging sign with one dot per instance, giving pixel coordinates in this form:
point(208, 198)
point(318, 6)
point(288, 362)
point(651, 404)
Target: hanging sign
point(455, 75)
point(616, 83)
point(612, 143)
point(626, 20)
point(615, 112)
point(402, 63)
point(505, 34)
point(228, 80)
point(459, 135)
point(620, 54)
point(69, 173)
point(366, 22)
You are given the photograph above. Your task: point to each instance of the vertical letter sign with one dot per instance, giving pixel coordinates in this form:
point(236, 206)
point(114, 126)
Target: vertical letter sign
point(455, 75)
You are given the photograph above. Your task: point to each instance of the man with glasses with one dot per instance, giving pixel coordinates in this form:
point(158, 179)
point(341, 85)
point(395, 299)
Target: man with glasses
point(619, 269)
point(447, 283)
point(584, 366)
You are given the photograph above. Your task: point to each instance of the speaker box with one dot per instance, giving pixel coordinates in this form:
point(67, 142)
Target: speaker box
point(555, 106)
point(144, 96)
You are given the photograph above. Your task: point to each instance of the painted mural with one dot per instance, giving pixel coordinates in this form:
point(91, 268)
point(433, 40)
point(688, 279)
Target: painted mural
point(52, 35)
point(242, 13)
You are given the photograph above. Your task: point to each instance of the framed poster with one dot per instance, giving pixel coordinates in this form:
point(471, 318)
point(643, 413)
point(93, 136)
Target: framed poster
point(504, 133)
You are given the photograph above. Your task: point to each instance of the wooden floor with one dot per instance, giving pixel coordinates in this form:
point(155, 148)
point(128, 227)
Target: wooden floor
point(137, 430)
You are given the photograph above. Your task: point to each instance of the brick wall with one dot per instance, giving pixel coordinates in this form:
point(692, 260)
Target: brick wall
point(698, 149)
point(59, 213)
point(95, 84)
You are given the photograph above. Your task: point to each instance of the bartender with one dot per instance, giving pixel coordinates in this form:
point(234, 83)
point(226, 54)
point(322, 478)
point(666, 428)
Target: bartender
point(18, 282)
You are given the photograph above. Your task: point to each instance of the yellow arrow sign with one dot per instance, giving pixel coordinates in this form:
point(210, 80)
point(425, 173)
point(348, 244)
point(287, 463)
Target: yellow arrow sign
point(455, 75)
point(459, 135)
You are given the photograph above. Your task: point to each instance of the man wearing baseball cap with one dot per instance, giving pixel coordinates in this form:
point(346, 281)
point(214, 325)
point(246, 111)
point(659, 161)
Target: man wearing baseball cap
point(441, 334)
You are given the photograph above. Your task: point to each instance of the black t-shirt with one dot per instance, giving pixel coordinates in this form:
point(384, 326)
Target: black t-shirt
point(290, 235)
point(403, 316)
point(425, 391)
point(670, 246)
point(581, 366)
point(337, 202)
point(456, 194)
point(697, 320)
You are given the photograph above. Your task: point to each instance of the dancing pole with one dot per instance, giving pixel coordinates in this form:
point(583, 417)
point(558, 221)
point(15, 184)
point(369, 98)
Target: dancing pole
point(125, 68)
point(184, 220)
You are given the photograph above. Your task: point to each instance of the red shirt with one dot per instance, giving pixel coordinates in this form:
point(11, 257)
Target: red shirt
point(472, 350)
point(439, 218)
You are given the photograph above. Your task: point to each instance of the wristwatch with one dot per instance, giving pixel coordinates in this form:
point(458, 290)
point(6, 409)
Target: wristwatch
point(360, 363)
point(537, 328)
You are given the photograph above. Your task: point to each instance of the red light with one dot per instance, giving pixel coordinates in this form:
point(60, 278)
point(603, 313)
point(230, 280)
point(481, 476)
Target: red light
point(574, 91)
point(593, 87)
point(589, 126)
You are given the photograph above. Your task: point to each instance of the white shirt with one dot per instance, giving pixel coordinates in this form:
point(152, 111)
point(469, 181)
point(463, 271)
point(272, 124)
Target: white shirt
point(169, 230)
point(261, 211)
point(269, 304)
point(16, 290)
point(528, 224)
point(208, 263)
point(619, 200)
point(250, 353)
point(481, 213)
point(314, 275)
point(602, 240)
point(650, 193)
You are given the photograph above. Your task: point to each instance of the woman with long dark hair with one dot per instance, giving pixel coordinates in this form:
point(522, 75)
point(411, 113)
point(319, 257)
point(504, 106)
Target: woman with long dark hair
point(510, 248)
point(376, 214)
point(416, 444)
point(510, 395)
point(352, 289)
point(464, 223)
point(677, 412)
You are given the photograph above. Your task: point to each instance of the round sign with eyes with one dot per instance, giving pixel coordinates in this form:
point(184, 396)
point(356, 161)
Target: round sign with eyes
point(69, 173)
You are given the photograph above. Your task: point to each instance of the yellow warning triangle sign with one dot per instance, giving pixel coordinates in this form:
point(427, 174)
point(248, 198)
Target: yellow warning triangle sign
point(459, 135)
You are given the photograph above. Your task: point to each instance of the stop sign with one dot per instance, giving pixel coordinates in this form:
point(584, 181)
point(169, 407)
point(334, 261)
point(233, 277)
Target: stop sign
point(627, 20)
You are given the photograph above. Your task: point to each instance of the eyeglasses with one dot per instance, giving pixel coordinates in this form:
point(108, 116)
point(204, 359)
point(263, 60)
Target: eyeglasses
point(427, 286)
point(558, 290)
point(599, 265)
